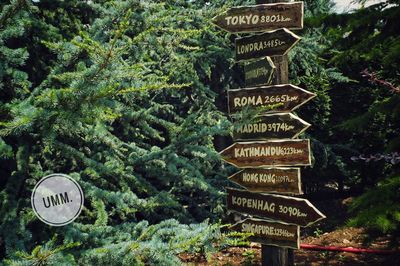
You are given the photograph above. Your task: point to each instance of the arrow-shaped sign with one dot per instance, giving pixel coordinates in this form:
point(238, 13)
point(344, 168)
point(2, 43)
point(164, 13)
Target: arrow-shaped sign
point(259, 72)
point(268, 153)
point(273, 207)
point(261, 17)
point(270, 126)
point(270, 180)
point(277, 42)
point(270, 233)
point(285, 98)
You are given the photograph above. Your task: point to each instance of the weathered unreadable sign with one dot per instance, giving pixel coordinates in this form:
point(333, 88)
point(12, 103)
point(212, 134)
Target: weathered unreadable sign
point(269, 180)
point(261, 17)
point(273, 207)
point(259, 72)
point(268, 153)
point(284, 98)
point(270, 233)
point(270, 126)
point(277, 42)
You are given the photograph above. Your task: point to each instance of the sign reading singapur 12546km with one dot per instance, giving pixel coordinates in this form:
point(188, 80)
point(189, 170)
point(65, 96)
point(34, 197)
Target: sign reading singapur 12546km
point(261, 17)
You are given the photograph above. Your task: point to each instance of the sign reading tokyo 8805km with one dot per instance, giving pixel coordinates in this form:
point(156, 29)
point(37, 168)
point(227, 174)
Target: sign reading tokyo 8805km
point(261, 17)
point(273, 207)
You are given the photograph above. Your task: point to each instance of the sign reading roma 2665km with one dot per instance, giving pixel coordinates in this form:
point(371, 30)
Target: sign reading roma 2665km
point(268, 153)
point(259, 72)
point(285, 98)
point(262, 17)
point(271, 43)
point(270, 233)
point(273, 207)
point(269, 180)
point(270, 126)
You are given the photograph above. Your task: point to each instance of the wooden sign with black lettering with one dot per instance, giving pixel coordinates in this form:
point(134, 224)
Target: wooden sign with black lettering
point(273, 207)
point(271, 43)
point(268, 153)
point(259, 72)
point(269, 180)
point(270, 233)
point(285, 98)
point(270, 126)
point(261, 17)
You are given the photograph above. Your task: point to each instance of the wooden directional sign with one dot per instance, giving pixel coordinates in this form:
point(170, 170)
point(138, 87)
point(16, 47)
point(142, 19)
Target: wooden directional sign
point(277, 42)
point(259, 72)
point(270, 180)
point(270, 126)
point(270, 233)
point(285, 98)
point(261, 17)
point(273, 207)
point(268, 153)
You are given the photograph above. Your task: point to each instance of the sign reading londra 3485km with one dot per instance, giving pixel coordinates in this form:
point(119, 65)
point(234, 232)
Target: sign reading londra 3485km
point(285, 98)
point(268, 153)
point(269, 180)
point(270, 233)
point(277, 42)
point(259, 72)
point(271, 126)
point(261, 17)
point(273, 207)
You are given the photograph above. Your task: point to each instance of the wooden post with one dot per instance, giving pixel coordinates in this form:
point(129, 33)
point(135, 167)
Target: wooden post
point(274, 256)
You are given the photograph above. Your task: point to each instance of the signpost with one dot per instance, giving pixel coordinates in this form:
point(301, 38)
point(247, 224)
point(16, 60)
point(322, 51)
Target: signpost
point(270, 233)
point(270, 180)
point(261, 17)
point(278, 17)
point(259, 72)
point(271, 126)
point(285, 98)
point(277, 42)
point(285, 209)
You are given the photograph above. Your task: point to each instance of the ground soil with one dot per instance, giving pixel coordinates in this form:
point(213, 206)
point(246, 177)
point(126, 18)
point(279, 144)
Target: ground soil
point(330, 232)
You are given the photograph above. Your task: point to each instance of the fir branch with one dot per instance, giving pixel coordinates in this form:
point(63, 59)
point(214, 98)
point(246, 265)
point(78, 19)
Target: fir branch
point(373, 78)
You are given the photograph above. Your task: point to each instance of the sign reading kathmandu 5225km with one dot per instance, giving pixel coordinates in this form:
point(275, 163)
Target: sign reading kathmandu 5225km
point(270, 233)
point(271, 43)
point(273, 207)
point(285, 98)
point(270, 180)
point(268, 153)
point(270, 126)
point(261, 17)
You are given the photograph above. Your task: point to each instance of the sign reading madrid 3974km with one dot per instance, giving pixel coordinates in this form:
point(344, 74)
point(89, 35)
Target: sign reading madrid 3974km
point(273, 207)
point(261, 17)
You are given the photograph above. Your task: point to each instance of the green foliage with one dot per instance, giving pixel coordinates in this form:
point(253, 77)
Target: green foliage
point(379, 208)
